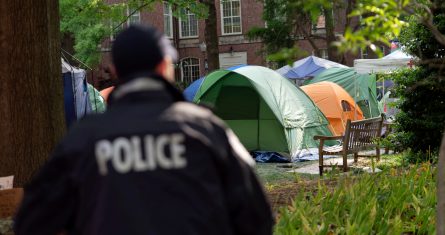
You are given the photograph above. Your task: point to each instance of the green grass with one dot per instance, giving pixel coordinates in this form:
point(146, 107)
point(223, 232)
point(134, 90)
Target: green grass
point(392, 161)
point(276, 173)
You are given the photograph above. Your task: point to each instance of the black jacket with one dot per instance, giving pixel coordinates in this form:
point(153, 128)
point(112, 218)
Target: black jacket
point(149, 165)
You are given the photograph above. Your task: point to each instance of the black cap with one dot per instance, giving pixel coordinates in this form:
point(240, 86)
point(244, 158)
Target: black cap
point(138, 50)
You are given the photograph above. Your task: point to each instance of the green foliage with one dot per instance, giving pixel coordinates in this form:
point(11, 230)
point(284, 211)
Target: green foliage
point(392, 161)
point(391, 202)
point(288, 20)
point(89, 22)
point(418, 40)
point(381, 20)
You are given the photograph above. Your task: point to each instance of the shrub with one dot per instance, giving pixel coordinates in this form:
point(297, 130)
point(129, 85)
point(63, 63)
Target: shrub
point(422, 110)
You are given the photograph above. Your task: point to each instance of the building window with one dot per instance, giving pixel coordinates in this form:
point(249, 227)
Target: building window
point(134, 16)
point(168, 20)
point(323, 53)
point(189, 25)
point(231, 17)
point(117, 26)
point(190, 69)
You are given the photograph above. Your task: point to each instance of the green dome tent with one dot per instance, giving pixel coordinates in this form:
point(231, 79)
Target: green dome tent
point(361, 87)
point(265, 110)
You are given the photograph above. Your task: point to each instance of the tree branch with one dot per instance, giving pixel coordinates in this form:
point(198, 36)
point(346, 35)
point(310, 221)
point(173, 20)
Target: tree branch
point(129, 15)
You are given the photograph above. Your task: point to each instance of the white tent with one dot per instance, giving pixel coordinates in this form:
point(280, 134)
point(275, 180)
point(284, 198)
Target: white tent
point(393, 61)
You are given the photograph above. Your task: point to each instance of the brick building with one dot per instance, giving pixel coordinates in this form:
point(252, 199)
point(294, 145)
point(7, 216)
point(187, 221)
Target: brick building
point(235, 18)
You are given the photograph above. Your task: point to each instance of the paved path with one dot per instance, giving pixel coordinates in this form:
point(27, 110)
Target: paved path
point(314, 169)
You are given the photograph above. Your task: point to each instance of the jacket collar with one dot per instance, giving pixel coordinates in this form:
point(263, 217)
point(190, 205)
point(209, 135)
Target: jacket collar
point(153, 87)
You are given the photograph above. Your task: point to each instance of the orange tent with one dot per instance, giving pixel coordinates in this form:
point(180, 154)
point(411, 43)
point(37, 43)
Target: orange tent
point(335, 103)
point(106, 92)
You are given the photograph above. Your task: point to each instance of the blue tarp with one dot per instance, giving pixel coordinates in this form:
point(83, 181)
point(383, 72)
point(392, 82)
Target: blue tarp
point(76, 98)
point(307, 67)
point(190, 91)
point(268, 157)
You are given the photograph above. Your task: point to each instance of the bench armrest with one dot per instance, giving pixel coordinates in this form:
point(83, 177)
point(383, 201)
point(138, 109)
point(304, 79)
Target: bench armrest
point(320, 137)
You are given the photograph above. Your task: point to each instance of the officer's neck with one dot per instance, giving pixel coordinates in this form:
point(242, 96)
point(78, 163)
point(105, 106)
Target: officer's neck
point(137, 85)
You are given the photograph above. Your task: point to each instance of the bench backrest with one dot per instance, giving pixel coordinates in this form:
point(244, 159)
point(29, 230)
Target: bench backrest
point(362, 134)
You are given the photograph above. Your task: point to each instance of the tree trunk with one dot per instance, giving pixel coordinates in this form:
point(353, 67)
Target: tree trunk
point(440, 220)
point(31, 95)
point(330, 35)
point(211, 36)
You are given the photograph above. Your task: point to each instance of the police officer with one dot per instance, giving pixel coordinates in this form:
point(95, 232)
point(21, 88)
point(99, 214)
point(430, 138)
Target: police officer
point(151, 164)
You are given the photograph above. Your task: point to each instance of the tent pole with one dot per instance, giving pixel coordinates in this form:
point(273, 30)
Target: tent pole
point(355, 98)
point(384, 98)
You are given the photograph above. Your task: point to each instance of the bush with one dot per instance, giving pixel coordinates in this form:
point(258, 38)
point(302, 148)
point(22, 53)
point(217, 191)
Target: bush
point(392, 202)
point(422, 110)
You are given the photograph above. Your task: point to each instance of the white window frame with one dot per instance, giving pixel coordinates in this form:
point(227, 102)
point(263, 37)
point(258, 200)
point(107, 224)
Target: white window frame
point(114, 33)
point(323, 52)
point(168, 14)
point(188, 14)
point(197, 65)
point(136, 14)
point(231, 17)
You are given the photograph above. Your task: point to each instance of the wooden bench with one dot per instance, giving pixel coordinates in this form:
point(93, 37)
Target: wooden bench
point(359, 136)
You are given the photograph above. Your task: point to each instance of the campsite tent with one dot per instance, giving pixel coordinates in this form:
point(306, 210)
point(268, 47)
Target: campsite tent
point(361, 87)
point(393, 61)
point(307, 67)
point(265, 110)
point(190, 91)
point(335, 103)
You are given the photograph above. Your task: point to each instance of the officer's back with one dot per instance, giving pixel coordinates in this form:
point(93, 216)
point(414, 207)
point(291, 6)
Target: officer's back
point(151, 164)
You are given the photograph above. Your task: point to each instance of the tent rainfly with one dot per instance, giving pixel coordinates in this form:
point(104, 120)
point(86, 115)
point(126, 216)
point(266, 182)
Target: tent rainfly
point(190, 91)
point(307, 67)
point(335, 103)
point(361, 87)
point(265, 110)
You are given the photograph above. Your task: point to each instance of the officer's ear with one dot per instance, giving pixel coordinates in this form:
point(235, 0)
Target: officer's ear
point(165, 69)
